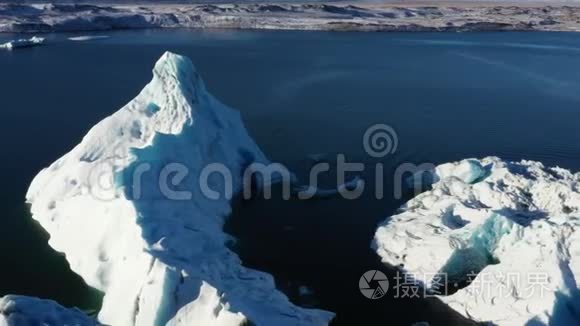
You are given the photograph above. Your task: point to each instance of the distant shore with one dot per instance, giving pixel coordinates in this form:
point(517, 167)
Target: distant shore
point(332, 16)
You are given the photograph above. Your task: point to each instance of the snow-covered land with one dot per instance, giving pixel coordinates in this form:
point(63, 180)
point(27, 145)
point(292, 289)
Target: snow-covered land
point(27, 311)
point(512, 229)
point(22, 43)
point(158, 259)
point(370, 16)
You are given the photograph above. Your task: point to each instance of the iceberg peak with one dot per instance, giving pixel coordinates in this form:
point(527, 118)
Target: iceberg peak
point(171, 64)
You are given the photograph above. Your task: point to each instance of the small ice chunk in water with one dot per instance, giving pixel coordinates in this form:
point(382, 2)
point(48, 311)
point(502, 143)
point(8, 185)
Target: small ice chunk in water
point(88, 37)
point(22, 43)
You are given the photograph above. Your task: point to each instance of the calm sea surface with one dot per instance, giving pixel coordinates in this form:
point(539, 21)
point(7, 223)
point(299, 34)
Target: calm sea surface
point(448, 96)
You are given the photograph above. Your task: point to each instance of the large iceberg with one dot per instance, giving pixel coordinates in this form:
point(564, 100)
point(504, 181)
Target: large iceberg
point(497, 241)
point(160, 260)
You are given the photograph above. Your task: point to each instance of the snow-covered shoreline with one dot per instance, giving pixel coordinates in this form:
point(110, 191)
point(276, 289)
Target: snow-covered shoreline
point(29, 18)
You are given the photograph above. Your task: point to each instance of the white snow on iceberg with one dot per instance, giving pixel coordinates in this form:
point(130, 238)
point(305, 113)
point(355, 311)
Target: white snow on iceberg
point(20, 310)
point(160, 261)
point(513, 227)
point(22, 43)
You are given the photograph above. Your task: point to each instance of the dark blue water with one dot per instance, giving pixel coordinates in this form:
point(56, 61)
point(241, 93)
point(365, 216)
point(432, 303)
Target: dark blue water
point(448, 96)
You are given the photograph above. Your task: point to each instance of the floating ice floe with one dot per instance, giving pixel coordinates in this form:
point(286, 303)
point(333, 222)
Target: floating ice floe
point(315, 192)
point(22, 43)
point(505, 234)
point(88, 37)
point(27, 311)
point(317, 157)
point(160, 260)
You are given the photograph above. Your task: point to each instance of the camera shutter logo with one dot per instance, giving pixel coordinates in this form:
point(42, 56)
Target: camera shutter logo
point(373, 284)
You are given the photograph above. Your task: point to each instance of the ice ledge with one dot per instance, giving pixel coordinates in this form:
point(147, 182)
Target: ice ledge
point(20, 310)
point(514, 226)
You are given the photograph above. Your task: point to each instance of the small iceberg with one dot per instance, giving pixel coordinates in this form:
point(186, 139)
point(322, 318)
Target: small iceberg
point(497, 241)
point(88, 38)
point(23, 43)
